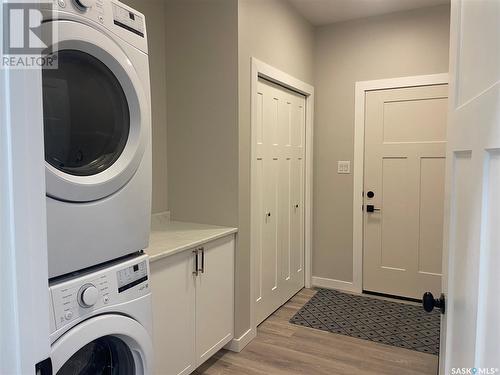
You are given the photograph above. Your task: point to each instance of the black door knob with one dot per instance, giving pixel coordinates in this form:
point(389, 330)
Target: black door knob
point(429, 302)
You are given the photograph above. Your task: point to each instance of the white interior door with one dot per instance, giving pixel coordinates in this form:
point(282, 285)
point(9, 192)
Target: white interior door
point(471, 326)
point(278, 204)
point(405, 148)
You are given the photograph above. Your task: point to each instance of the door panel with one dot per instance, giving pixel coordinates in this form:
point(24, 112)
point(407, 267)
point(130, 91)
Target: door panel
point(489, 305)
point(215, 298)
point(405, 141)
point(464, 241)
point(285, 218)
point(271, 260)
point(297, 239)
point(432, 172)
point(470, 327)
point(426, 127)
point(395, 226)
point(173, 291)
point(278, 200)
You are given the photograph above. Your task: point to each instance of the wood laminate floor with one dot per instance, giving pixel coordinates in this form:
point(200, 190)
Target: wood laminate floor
point(283, 348)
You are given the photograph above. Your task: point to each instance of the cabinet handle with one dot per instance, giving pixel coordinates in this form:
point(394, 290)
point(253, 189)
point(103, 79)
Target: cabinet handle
point(202, 260)
point(202, 269)
point(195, 272)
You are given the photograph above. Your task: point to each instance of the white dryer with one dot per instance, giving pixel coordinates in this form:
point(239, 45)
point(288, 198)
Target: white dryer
point(97, 124)
point(101, 321)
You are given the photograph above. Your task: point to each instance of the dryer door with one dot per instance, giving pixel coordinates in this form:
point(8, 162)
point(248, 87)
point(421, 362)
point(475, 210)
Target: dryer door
point(96, 116)
point(107, 344)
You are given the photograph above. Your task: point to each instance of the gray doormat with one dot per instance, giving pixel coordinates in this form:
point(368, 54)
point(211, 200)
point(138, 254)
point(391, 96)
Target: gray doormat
point(391, 323)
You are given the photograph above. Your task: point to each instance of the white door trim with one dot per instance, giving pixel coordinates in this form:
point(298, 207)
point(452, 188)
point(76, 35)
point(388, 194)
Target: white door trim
point(24, 292)
point(359, 149)
point(263, 70)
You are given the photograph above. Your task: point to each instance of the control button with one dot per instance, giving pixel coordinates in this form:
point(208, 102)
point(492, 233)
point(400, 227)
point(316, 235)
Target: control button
point(105, 299)
point(101, 19)
point(62, 3)
point(68, 315)
point(88, 295)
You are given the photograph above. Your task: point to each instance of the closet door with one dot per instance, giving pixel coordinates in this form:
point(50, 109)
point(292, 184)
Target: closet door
point(297, 189)
point(266, 203)
point(277, 196)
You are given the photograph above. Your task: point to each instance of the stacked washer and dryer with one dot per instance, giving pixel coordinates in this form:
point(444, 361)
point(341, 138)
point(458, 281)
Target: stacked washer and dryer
point(97, 125)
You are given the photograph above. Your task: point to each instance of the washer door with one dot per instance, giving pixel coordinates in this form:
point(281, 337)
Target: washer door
point(104, 345)
point(96, 116)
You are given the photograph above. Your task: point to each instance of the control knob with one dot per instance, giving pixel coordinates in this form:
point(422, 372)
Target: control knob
point(87, 296)
point(85, 3)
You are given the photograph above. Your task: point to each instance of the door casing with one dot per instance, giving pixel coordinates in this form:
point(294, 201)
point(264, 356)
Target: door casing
point(359, 149)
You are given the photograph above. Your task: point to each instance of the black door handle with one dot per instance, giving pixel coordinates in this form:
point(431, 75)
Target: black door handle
point(371, 208)
point(429, 302)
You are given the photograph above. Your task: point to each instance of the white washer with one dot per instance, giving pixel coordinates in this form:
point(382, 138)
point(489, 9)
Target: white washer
point(97, 123)
point(101, 320)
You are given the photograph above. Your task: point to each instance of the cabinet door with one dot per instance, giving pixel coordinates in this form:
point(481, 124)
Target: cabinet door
point(173, 290)
point(215, 298)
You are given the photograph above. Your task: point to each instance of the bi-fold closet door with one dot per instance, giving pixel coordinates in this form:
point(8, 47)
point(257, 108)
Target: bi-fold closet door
point(278, 196)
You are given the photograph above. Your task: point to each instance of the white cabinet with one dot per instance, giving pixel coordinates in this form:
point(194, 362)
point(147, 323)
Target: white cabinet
point(193, 306)
point(214, 298)
point(173, 291)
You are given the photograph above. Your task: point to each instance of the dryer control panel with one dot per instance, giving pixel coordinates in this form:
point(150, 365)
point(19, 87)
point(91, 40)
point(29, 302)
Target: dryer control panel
point(122, 20)
point(128, 19)
point(79, 295)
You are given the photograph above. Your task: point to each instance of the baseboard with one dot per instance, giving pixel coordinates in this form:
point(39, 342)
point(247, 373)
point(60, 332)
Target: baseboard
point(347, 286)
point(237, 345)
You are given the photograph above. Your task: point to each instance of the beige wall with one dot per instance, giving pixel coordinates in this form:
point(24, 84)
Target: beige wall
point(202, 117)
point(394, 45)
point(155, 23)
point(200, 54)
point(273, 32)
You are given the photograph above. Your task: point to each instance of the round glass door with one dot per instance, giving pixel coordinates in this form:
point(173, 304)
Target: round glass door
point(106, 355)
point(86, 114)
point(97, 114)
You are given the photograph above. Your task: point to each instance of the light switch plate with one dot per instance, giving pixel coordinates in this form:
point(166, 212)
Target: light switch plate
point(344, 167)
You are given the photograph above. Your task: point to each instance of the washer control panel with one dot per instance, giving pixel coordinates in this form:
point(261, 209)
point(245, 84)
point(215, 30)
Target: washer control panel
point(85, 294)
point(132, 276)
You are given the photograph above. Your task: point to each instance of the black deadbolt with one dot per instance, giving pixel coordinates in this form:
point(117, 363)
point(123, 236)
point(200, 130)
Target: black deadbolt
point(370, 194)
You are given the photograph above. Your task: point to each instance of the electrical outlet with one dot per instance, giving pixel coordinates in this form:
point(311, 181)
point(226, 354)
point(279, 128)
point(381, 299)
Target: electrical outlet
point(344, 167)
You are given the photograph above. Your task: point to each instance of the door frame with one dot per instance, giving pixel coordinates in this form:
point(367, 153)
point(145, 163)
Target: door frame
point(262, 70)
point(361, 88)
point(24, 277)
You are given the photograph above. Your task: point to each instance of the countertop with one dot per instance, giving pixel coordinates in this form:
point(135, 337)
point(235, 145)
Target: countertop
point(171, 237)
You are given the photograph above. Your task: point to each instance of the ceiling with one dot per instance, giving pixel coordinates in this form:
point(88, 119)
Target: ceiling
point(323, 12)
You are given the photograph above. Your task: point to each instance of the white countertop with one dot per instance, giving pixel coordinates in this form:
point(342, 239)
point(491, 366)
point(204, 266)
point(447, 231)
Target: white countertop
point(171, 237)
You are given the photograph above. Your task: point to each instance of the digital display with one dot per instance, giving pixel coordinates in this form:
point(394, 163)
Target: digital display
point(128, 20)
point(132, 276)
